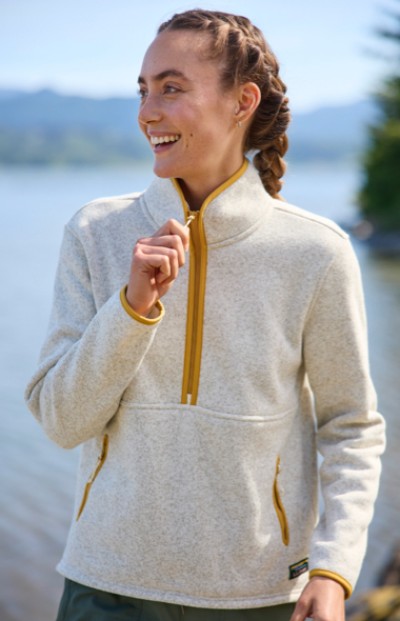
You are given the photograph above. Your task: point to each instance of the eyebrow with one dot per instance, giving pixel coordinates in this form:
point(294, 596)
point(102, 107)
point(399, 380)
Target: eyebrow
point(167, 73)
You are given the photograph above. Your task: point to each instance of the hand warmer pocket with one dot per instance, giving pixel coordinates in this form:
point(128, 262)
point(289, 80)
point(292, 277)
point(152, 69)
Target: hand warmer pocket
point(278, 504)
point(100, 462)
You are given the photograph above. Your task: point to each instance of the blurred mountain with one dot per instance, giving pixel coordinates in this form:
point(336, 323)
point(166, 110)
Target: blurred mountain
point(50, 110)
point(47, 128)
point(6, 93)
point(333, 132)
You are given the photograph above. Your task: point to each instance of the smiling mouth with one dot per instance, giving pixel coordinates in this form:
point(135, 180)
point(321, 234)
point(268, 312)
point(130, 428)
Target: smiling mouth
point(157, 141)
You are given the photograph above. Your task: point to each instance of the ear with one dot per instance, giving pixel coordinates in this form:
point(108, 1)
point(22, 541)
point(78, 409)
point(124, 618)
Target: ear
point(249, 97)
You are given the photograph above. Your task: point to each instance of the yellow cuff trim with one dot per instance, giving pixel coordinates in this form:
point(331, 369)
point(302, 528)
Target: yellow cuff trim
point(325, 573)
point(148, 321)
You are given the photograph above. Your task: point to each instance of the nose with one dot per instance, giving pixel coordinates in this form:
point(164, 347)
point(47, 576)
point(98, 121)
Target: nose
point(150, 110)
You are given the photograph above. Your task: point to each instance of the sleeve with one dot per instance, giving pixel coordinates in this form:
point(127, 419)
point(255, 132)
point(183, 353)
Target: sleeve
point(350, 432)
point(89, 356)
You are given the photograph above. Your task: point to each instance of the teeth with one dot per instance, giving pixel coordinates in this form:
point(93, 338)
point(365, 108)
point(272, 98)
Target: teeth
point(161, 139)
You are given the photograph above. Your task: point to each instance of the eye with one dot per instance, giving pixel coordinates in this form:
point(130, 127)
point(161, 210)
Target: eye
point(170, 89)
point(142, 93)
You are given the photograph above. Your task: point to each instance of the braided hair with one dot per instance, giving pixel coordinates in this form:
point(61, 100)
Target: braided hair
point(246, 57)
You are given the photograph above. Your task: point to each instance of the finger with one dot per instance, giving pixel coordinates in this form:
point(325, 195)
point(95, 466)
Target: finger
point(158, 267)
point(173, 242)
point(173, 227)
point(159, 262)
point(168, 241)
point(301, 612)
point(151, 254)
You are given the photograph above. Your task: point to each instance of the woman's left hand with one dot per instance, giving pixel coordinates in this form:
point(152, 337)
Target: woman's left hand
point(321, 600)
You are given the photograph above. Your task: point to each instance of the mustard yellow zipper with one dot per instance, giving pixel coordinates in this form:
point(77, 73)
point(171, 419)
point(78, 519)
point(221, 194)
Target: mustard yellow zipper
point(195, 309)
point(100, 462)
point(197, 288)
point(278, 504)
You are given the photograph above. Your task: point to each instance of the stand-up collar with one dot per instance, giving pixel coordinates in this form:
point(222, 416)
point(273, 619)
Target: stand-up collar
point(230, 211)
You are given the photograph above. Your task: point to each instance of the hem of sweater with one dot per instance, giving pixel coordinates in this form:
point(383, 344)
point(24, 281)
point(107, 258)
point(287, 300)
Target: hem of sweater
point(182, 599)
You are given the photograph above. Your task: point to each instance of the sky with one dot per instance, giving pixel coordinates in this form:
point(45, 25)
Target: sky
point(327, 49)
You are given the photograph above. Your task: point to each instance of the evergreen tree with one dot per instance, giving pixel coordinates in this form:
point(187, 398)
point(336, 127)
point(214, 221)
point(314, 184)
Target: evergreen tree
point(380, 194)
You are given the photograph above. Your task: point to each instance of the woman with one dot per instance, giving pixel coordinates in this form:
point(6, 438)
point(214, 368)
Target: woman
point(205, 386)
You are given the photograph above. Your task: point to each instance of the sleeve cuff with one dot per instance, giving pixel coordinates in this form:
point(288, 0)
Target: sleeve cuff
point(325, 573)
point(149, 321)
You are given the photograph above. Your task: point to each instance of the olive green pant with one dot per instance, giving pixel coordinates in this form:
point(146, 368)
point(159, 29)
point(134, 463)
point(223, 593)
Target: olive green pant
point(81, 603)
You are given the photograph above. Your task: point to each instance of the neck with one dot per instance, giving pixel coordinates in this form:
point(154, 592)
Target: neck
point(195, 196)
point(193, 199)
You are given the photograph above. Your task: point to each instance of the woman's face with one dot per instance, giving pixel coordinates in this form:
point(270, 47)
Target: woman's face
point(187, 118)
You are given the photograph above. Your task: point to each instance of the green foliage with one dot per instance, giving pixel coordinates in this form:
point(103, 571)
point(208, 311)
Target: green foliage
point(379, 198)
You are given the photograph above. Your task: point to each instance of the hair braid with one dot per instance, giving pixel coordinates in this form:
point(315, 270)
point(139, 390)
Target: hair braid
point(246, 57)
point(268, 136)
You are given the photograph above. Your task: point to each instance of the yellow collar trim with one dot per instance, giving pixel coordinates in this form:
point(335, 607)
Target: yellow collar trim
point(221, 188)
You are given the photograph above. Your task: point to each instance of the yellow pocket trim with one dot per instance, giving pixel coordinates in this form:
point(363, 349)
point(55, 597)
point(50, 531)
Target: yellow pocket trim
point(278, 504)
point(100, 462)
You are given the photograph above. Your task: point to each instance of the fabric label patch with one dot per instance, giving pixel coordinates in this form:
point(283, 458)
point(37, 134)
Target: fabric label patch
point(298, 568)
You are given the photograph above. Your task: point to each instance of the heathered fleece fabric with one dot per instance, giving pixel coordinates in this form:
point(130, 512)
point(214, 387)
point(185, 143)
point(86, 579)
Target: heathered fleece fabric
point(211, 504)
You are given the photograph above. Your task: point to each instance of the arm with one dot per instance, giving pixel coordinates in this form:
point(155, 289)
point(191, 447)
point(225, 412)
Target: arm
point(90, 356)
point(350, 434)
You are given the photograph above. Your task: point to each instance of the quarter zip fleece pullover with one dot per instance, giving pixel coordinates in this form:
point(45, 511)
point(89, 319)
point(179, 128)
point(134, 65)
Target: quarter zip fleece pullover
point(198, 479)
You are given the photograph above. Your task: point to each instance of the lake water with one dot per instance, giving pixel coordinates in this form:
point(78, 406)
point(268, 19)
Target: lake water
point(37, 478)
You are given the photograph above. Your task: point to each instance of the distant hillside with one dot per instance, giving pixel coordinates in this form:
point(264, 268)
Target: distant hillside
point(331, 132)
point(51, 111)
point(46, 128)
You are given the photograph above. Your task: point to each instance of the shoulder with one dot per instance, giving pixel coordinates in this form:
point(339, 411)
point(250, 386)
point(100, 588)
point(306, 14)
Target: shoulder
point(308, 234)
point(103, 209)
point(306, 222)
point(305, 243)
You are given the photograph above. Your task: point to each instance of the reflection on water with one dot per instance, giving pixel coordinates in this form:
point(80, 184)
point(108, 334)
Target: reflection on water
point(37, 481)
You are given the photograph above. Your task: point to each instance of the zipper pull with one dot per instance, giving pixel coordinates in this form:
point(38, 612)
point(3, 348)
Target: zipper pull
point(190, 219)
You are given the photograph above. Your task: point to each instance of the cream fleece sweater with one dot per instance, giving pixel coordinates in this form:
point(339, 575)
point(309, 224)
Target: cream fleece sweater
point(198, 480)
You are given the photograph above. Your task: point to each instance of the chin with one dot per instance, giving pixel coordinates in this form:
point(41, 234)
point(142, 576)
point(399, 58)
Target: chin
point(162, 174)
point(164, 171)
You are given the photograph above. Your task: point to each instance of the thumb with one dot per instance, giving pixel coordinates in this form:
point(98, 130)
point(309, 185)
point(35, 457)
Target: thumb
point(302, 611)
